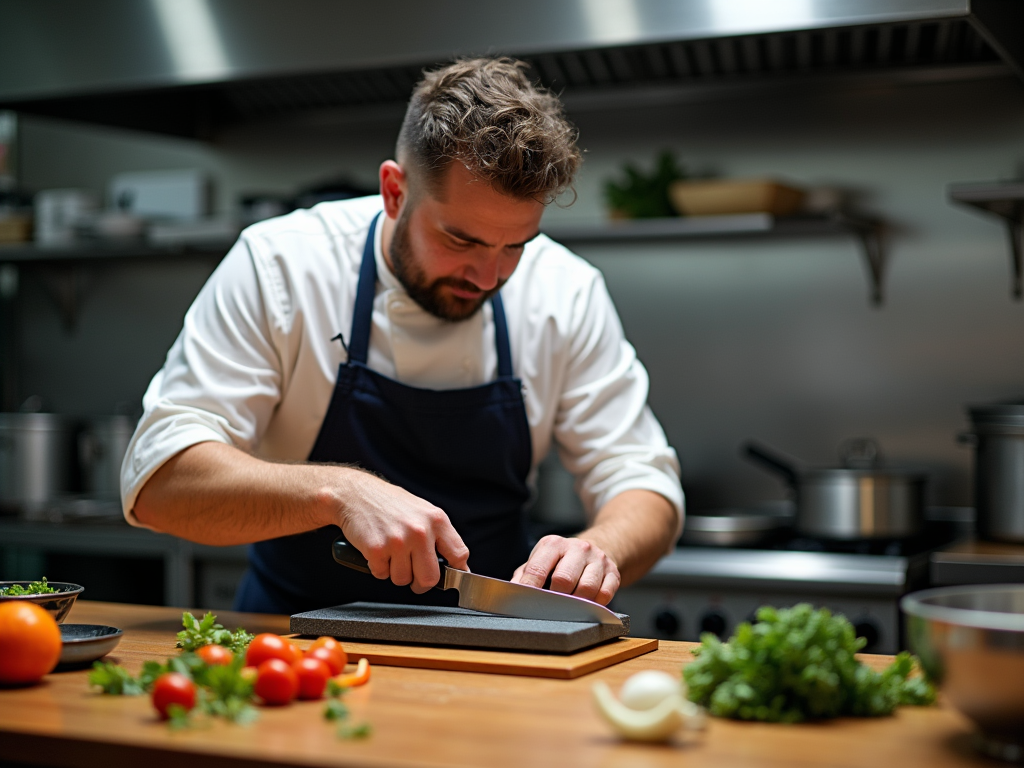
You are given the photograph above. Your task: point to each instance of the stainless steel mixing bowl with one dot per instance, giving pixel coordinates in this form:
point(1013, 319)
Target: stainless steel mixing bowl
point(971, 640)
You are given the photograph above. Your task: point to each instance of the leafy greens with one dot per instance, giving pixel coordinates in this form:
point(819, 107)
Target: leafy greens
point(797, 664)
point(34, 588)
point(197, 633)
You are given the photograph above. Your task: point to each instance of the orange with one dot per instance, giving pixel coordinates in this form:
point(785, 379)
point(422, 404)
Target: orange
point(29, 642)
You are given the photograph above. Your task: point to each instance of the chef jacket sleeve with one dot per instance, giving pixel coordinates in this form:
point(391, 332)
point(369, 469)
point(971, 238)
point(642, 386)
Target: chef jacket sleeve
point(221, 380)
point(606, 434)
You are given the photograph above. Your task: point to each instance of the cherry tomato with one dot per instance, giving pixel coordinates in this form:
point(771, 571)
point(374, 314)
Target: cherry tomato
point(329, 643)
point(276, 682)
point(332, 645)
point(29, 643)
point(173, 688)
point(331, 658)
point(313, 675)
point(248, 674)
point(269, 646)
point(215, 654)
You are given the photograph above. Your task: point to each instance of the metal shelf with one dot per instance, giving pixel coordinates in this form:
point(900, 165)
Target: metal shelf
point(65, 268)
point(118, 539)
point(867, 231)
point(1004, 199)
point(30, 253)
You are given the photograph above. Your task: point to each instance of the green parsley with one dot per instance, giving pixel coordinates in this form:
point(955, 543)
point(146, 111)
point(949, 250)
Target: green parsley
point(798, 664)
point(335, 710)
point(115, 680)
point(223, 691)
point(197, 633)
point(34, 588)
point(361, 731)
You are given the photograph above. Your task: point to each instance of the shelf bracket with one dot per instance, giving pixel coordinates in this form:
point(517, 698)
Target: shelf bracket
point(870, 235)
point(1006, 200)
point(1015, 228)
point(66, 286)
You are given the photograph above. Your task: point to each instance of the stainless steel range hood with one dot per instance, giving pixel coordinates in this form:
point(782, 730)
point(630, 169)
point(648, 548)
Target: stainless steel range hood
point(187, 67)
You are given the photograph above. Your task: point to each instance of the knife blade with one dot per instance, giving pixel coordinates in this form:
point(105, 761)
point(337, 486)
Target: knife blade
point(490, 595)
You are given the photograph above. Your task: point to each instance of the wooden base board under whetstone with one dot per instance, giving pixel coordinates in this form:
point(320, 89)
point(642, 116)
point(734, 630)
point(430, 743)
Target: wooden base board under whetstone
point(558, 666)
point(434, 625)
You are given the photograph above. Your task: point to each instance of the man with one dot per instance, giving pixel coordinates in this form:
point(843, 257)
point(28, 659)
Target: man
point(396, 367)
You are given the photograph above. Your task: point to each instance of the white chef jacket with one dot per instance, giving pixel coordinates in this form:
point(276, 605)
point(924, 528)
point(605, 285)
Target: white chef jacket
point(255, 363)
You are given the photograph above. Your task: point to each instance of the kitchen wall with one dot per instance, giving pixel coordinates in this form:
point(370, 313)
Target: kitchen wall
point(766, 339)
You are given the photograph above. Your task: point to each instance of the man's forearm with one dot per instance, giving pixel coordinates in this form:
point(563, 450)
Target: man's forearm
point(634, 529)
point(213, 493)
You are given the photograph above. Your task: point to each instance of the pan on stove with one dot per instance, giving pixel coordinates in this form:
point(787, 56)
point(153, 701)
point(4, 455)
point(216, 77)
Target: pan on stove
point(731, 528)
point(860, 500)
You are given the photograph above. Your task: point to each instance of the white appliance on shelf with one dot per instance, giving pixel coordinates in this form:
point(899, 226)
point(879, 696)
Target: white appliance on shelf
point(182, 195)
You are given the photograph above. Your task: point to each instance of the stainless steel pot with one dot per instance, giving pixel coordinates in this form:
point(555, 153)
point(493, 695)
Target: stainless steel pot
point(37, 459)
point(850, 502)
point(102, 445)
point(998, 437)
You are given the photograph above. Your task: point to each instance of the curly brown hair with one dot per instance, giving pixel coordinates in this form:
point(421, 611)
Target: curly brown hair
point(487, 114)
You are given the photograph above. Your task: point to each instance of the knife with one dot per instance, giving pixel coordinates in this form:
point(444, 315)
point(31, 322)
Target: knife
point(483, 593)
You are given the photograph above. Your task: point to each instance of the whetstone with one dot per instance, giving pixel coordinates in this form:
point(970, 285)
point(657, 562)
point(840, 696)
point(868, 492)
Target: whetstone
point(433, 625)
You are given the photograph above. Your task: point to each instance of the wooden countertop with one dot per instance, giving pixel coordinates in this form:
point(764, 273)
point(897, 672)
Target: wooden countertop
point(434, 718)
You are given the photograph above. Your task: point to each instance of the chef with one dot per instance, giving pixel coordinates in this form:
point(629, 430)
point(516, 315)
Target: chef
point(393, 369)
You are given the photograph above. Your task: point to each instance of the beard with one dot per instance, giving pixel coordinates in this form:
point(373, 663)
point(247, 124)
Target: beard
point(431, 295)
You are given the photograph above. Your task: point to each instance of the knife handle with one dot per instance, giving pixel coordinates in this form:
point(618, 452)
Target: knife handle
point(351, 557)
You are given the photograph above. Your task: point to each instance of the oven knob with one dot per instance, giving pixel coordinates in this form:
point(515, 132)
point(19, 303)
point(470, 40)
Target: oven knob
point(869, 631)
point(667, 623)
point(713, 622)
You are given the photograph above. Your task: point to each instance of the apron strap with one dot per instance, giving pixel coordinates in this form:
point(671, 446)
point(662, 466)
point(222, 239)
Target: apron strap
point(501, 338)
point(362, 316)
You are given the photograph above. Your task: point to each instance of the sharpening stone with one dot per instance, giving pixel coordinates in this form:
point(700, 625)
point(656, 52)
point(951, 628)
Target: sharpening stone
point(434, 625)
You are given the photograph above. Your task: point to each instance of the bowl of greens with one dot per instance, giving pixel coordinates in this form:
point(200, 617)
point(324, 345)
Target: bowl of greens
point(55, 597)
point(971, 640)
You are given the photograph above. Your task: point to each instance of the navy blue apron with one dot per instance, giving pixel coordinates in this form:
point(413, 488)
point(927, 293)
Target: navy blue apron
point(467, 451)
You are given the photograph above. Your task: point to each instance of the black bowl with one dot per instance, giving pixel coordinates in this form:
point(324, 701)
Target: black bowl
point(57, 604)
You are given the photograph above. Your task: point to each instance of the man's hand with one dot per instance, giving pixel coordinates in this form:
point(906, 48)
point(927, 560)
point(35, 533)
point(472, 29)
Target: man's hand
point(577, 567)
point(398, 533)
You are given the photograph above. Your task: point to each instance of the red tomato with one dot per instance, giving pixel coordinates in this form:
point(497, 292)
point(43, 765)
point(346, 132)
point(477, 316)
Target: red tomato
point(276, 682)
point(331, 658)
point(313, 675)
point(215, 654)
point(268, 646)
point(173, 688)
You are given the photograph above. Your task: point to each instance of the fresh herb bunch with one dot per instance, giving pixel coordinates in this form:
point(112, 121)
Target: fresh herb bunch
point(797, 664)
point(197, 633)
point(34, 588)
point(645, 196)
point(223, 690)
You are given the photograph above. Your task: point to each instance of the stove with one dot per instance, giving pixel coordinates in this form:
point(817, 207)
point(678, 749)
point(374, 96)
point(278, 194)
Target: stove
point(712, 589)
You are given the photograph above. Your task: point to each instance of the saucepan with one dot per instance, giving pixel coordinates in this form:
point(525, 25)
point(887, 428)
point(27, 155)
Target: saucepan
point(860, 500)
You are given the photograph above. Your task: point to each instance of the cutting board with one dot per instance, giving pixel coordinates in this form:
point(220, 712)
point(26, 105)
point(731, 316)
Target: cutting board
point(438, 625)
point(561, 666)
